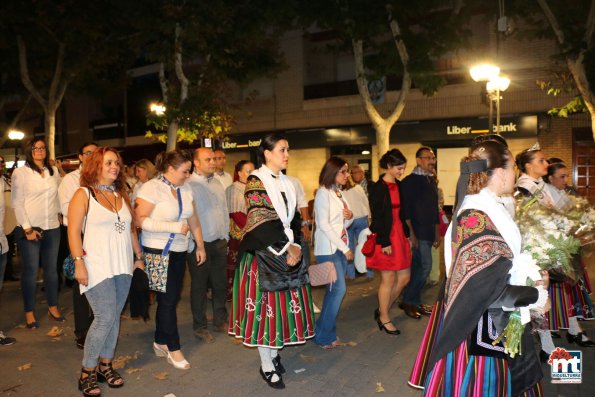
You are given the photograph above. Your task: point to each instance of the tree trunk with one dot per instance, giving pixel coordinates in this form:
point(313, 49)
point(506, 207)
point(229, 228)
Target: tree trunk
point(172, 135)
point(577, 69)
point(50, 130)
point(382, 137)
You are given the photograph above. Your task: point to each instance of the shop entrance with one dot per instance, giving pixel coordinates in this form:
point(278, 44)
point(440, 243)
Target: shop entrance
point(356, 155)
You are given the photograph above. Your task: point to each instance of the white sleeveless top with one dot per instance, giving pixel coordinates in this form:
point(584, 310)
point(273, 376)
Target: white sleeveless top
point(108, 250)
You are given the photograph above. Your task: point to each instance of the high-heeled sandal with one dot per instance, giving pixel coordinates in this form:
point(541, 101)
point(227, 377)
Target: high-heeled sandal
point(183, 364)
point(89, 383)
point(109, 375)
point(159, 352)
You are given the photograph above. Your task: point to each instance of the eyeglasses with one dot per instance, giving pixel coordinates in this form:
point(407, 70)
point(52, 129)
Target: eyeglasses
point(87, 153)
point(39, 149)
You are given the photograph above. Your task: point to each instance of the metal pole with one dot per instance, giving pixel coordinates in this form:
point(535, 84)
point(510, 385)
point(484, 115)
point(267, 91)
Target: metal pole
point(490, 114)
point(498, 111)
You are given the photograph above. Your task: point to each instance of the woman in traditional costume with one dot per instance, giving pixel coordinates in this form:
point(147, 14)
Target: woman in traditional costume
point(482, 254)
point(236, 206)
point(272, 305)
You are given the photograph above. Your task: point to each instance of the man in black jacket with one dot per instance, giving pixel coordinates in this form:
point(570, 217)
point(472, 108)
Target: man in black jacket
point(420, 211)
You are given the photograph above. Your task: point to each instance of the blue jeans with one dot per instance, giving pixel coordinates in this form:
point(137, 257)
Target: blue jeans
point(421, 266)
point(107, 300)
point(34, 252)
point(326, 326)
point(353, 232)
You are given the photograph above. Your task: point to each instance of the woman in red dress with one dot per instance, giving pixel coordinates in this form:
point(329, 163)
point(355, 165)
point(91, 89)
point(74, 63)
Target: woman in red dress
point(392, 256)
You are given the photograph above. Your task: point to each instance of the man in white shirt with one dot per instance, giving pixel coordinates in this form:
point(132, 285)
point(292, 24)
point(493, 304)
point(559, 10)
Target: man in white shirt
point(83, 316)
point(211, 208)
point(224, 177)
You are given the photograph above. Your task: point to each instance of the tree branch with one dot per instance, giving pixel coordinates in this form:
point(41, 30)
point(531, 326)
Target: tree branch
point(163, 82)
point(20, 113)
point(590, 25)
point(56, 80)
point(179, 66)
point(404, 55)
point(362, 82)
point(549, 15)
point(24, 70)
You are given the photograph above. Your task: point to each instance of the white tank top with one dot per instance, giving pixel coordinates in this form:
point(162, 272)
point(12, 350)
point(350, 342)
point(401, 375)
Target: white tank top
point(108, 247)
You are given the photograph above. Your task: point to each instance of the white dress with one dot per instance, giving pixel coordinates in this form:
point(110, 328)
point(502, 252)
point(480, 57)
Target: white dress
point(108, 247)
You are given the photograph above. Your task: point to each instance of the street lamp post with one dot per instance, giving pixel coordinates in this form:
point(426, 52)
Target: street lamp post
point(495, 84)
point(16, 136)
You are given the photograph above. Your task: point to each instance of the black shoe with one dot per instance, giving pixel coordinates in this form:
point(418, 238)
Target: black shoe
point(267, 376)
point(555, 335)
point(80, 341)
point(60, 319)
point(578, 338)
point(89, 383)
point(278, 366)
point(381, 326)
point(6, 340)
point(543, 357)
point(376, 314)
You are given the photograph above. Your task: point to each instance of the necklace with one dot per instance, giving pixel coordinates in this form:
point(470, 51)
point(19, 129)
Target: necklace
point(119, 224)
point(107, 188)
point(167, 182)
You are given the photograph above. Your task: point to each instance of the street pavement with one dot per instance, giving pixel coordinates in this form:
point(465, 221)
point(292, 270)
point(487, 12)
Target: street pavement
point(372, 363)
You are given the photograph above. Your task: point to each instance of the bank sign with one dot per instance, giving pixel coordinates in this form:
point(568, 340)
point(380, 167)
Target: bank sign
point(463, 129)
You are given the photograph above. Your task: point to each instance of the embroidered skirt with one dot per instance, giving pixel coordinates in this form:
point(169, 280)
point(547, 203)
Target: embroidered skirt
point(268, 319)
point(461, 374)
point(569, 301)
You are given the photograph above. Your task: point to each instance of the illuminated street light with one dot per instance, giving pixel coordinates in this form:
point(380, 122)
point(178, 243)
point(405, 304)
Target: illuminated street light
point(16, 136)
point(157, 108)
point(484, 72)
point(494, 88)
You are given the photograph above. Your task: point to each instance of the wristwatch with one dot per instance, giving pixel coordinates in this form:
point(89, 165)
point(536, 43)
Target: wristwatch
point(28, 232)
point(77, 258)
point(138, 257)
point(305, 223)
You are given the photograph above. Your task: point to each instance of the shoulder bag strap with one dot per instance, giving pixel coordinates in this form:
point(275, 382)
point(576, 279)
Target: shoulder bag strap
point(172, 235)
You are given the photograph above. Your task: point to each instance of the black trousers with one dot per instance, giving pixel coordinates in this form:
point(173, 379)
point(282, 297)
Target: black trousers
point(212, 273)
point(83, 315)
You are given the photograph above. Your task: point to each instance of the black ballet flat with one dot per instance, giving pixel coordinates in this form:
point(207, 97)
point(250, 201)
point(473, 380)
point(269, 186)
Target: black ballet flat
point(277, 363)
point(578, 339)
point(267, 376)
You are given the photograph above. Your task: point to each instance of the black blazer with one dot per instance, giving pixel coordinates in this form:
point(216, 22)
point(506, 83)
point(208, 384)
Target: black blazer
point(382, 214)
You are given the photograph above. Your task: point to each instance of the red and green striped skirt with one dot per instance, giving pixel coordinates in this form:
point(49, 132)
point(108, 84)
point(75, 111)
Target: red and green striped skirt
point(268, 319)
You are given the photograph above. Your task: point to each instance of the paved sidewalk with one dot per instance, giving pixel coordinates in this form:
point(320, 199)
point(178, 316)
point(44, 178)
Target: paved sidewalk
point(226, 368)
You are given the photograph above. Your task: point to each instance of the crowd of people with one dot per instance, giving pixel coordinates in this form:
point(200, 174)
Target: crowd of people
point(246, 239)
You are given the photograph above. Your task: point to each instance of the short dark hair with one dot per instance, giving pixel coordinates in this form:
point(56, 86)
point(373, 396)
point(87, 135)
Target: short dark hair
point(524, 157)
point(174, 158)
point(329, 171)
point(392, 158)
point(421, 149)
point(84, 145)
point(268, 143)
point(553, 160)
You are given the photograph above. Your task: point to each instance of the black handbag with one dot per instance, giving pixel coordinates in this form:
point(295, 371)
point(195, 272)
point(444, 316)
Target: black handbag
point(275, 275)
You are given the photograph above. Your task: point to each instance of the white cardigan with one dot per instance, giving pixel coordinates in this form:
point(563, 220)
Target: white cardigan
point(328, 213)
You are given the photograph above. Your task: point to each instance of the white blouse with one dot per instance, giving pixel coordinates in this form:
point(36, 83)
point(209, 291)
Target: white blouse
point(166, 209)
point(108, 248)
point(35, 198)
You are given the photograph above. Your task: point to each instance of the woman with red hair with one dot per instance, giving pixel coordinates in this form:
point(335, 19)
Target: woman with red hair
point(103, 266)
